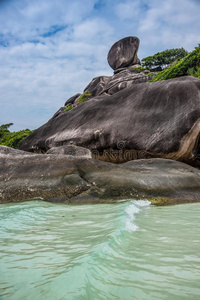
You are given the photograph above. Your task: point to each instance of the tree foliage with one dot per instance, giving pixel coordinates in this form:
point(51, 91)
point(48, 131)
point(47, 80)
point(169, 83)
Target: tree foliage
point(12, 139)
point(4, 128)
point(189, 65)
point(164, 58)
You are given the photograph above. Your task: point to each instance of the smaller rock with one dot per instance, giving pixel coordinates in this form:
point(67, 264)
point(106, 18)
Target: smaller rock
point(97, 85)
point(70, 150)
point(72, 99)
point(4, 150)
point(61, 110)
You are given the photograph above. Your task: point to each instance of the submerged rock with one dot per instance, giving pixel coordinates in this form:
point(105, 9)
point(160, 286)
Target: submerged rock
point(69, 179)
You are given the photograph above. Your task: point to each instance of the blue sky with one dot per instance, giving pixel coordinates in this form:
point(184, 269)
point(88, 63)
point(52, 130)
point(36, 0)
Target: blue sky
point(51, 49)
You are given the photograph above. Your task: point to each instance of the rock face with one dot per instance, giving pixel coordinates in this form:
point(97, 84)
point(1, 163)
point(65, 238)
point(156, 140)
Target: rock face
point(72, 99)
point(109, 85)
point(124, 53)
point(141, 121)
point(122, 57)
point(70, 150)
point(69, 179)
point(4, 150)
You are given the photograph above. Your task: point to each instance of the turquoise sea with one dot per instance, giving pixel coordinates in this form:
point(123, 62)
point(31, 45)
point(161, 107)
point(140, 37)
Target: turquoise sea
point(127, 250)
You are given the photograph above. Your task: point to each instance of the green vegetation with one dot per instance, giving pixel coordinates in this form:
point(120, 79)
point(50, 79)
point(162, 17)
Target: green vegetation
point(84, 97)
point(164, 58)
point(150, 74)
point(194, 72)
point(139, 69)
point(12, 139)
point(69, 107)
point(189, 65)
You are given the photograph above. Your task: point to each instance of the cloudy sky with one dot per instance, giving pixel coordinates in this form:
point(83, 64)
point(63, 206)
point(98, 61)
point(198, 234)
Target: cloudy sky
point(51, 49)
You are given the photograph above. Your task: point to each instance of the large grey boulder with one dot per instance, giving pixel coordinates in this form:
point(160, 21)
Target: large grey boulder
point(124, 53)
point(143, 120)
point(69, 179)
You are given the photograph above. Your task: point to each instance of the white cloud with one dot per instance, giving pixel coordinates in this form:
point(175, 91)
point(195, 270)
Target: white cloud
point(27, 19)
point(55, 48)
point(129, 10)
point(37, 78)
point(93, 31)
point(171, 24)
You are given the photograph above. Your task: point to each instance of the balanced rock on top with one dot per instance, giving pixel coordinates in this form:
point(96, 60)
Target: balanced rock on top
point(124, 53)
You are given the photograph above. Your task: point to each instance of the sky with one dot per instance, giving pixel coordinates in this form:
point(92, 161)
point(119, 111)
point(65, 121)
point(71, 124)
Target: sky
point(51, 49)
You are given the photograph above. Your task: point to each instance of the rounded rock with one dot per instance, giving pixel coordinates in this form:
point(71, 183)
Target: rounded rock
point(124, 53)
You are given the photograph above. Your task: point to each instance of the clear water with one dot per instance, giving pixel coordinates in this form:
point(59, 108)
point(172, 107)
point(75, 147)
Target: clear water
point(128, 250)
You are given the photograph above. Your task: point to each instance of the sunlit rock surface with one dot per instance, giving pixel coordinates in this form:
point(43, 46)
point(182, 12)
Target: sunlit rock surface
point(70, 179)
point(141, 121)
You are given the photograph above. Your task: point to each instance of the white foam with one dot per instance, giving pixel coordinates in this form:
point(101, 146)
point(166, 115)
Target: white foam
point(131, 210)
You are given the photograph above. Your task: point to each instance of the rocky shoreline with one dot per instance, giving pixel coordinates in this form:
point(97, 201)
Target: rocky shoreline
point(122, 138)
point(75, 179)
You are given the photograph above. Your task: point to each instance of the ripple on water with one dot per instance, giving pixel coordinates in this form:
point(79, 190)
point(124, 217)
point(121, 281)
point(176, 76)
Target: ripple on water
point(127, 250)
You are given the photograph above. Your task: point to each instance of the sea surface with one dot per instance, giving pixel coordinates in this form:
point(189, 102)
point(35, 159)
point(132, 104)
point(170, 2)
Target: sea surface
point(127, 250)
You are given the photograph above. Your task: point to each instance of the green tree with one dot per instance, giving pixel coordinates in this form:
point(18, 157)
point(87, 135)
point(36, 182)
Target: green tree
point(189, 65)
point(164, 58)
point(12, 139)
point(4, 128)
